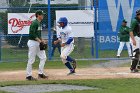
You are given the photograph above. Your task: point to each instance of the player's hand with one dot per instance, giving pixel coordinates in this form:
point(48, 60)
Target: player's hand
point(63, 44)
point(55, 42)
point(134, 42)
point(44, 41)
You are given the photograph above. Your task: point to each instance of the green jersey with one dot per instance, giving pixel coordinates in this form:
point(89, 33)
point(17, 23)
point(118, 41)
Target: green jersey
point(124, 34)
point(35, 30)
point(135, 27)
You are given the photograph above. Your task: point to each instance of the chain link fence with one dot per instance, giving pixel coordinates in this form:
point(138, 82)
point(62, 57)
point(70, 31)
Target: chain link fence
point(85, 48)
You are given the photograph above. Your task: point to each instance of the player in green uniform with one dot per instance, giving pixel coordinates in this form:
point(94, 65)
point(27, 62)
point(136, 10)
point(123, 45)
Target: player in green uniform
point(135, 41)
point(33, 44)
point(124, 38)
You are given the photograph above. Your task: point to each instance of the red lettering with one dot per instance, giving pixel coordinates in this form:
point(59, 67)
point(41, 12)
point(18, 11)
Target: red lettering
point(19, 23)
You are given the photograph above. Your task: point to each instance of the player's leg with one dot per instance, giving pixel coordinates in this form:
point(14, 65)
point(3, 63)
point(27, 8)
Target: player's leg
point(31, 59)
point(42, 56)
point(65, 51)
point(135, 58)
point(53, 49)
point(59, 49)
point(129, 49)
point(138, 65)
point(120, 48)
point(69, 59)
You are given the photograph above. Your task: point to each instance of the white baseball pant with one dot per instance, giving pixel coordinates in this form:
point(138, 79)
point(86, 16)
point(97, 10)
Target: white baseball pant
point(121, 48)
point(34, 50)
point(65, 51)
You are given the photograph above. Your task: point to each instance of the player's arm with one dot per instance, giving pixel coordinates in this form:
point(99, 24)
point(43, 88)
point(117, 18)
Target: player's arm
point(68, 42)
point(57, 41)
point(38, 39)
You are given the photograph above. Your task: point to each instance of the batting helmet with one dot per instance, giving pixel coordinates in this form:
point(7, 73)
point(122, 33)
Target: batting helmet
point(138, 12)
point(63, 20)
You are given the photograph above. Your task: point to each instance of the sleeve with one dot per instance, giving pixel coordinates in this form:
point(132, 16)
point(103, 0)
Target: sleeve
point(33, 29)
point(132, 26)
point(70, 38)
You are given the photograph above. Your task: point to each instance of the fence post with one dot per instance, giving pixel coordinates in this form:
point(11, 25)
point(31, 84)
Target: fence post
point(96, 33)
point(49, 31)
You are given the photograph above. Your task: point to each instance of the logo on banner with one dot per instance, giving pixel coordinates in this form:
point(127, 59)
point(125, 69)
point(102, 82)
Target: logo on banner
point(114, 11)
point(17, 24)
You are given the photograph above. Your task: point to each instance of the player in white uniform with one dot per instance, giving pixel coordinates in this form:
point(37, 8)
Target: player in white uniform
point(65, 36)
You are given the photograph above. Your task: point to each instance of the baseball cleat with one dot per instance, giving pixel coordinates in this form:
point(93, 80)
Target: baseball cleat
point(30, 78)
point(118, 56)
point(134, 71)
point(71, 73)
point(138, 67)
point(43, 76)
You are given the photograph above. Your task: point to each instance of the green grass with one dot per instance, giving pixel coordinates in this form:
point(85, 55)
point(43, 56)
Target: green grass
point(103, 85)
point(112, 53)
point(7, 66)
point(16, 54)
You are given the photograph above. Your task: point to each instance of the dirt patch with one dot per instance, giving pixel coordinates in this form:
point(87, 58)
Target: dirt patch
point(44, 88)
point(84, 73)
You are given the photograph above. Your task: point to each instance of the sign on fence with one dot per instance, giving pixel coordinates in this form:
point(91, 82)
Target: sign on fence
point(81, 21)
point(111, 14)
point(18, 23)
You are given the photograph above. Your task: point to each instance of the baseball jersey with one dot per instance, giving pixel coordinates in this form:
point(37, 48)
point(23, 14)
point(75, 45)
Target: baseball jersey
point(124, 34)
point(35, 30)
point(135, 27)
point(65, 33)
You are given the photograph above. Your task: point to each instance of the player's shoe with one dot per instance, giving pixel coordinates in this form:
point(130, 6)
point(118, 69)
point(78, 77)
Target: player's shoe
point(134, 70)
point(71, 72)
point(138, 67)
point(118, 56)
point(74, 64)
point(30, 78)
point(42, 76)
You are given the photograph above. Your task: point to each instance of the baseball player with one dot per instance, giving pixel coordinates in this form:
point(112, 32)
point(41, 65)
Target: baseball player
point(33, 43)
point(65, 36)
point(135, 41)
point(124, 38)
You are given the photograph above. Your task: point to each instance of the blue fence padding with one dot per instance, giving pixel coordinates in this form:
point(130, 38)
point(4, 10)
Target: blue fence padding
point(108, 29)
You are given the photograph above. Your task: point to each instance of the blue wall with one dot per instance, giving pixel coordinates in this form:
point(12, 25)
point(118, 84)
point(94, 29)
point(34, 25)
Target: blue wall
point(110, 15)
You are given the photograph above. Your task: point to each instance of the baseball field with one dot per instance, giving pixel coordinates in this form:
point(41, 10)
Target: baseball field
point(102, 75)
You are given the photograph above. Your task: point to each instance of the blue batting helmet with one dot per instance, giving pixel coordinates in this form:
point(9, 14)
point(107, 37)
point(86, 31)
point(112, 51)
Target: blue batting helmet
point(63, 20)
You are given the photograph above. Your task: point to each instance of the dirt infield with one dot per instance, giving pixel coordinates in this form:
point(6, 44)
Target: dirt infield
point(83, 73)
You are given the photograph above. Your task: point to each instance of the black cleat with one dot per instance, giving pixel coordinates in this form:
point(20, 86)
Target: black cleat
point(118, 56)
point(134, 70)
point(30, 78)
point(43, 76)
point(71, 73)
point(138, 67)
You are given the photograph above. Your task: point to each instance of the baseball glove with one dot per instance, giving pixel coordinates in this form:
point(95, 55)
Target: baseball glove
point(43, 46)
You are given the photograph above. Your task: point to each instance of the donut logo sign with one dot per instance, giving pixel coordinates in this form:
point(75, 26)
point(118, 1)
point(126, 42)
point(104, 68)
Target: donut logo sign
point(19, 23)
